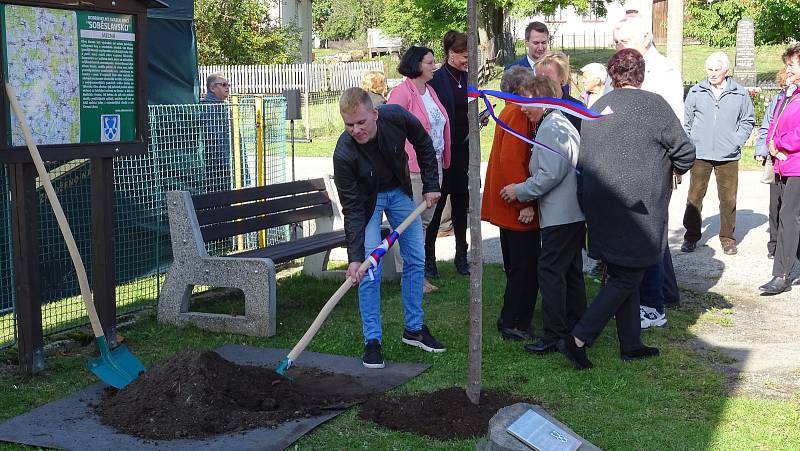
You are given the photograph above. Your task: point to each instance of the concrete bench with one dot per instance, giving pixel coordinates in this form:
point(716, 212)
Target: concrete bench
point(204, 218)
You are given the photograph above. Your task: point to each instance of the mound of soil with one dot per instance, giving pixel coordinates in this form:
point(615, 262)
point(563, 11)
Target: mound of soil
point(198, 394)
point(444, 414)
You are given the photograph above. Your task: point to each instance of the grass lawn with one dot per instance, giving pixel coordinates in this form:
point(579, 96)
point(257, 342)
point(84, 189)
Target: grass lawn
point(675, 401)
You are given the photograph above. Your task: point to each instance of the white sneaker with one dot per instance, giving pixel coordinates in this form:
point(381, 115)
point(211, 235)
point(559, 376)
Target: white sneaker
point(651, 318)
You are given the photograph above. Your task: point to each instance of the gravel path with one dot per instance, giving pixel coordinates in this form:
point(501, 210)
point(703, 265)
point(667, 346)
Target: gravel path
point(747, 336)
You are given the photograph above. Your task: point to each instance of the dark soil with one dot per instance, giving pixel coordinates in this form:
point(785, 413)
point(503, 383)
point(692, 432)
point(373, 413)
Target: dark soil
point(199, 394)
point(445, 414)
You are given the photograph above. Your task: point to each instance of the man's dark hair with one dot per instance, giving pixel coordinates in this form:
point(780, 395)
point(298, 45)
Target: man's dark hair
point(455, 41)
point(791, 52)
point(626, 68)
point(538, 27)
point(409, 63)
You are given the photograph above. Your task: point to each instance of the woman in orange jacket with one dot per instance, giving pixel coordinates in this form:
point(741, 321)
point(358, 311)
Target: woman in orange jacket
point(518, 221)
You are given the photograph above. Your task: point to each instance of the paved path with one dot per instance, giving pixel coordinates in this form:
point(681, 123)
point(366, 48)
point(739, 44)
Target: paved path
point(755, 334)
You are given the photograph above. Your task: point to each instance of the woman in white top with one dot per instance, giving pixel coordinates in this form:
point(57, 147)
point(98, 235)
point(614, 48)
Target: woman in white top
point(415, 95)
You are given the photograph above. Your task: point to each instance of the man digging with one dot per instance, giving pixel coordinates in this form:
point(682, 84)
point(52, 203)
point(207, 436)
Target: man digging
point(370, 168)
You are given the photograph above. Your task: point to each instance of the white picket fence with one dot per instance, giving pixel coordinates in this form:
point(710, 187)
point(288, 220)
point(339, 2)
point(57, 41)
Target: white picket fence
point(276, 78)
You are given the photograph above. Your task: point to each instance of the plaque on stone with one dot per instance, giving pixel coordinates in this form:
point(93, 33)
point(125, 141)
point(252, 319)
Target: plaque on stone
point(745, 68)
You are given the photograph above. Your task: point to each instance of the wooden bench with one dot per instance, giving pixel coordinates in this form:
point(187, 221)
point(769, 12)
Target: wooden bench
point(204, 218)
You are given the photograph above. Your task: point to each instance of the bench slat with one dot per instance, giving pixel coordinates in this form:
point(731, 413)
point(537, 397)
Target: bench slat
point(283, 252)
point(229, 229)
point(216, 199)
point(249, 210)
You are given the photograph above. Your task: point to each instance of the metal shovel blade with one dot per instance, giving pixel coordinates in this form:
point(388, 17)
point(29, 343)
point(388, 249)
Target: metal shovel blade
point(117, 368)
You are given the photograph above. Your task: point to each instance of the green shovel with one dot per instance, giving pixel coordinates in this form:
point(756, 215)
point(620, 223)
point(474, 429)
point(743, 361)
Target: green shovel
point(117, 367)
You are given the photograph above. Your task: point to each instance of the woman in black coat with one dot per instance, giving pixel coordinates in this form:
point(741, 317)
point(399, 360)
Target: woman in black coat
point(450, 84)
point(627, 159)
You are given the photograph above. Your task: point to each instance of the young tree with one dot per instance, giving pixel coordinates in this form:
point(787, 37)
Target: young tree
point(241, 32)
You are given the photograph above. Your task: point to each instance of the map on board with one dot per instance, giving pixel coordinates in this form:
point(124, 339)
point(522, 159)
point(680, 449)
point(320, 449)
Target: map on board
point(74, 73)
point(42, 55)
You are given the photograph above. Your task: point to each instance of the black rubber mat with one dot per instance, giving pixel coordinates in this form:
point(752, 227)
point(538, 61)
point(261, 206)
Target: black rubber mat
point(71, 423)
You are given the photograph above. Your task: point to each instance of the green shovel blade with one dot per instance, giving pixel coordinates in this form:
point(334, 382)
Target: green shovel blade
point(117, 368)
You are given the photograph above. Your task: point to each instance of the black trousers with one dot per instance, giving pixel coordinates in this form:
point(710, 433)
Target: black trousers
point(788, 230)
point(774, 208)
point(620, 298)
point(520, 260)
point(561, 279)
point(459, 202)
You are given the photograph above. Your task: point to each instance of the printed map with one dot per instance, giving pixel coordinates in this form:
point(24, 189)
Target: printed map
point(43, 69)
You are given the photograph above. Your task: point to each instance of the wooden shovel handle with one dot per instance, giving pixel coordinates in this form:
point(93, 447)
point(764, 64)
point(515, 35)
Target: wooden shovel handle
point(348, 283)
point(44, 178)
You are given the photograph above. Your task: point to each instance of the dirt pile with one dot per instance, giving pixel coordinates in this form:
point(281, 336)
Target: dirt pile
point(198, 394)
point(444, 414)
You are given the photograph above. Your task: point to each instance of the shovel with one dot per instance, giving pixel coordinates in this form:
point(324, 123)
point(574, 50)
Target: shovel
point(119, 367)
point(375, 257)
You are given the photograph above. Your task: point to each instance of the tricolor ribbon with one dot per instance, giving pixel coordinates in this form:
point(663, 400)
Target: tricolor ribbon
point(378, 253)
point(566, 106)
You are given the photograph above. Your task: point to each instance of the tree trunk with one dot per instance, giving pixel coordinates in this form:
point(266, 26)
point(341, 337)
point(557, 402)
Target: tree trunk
point(675, 33)
point(475, 254)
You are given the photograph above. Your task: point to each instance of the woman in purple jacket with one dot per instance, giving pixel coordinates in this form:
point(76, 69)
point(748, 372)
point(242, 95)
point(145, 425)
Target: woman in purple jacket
point(783, 142)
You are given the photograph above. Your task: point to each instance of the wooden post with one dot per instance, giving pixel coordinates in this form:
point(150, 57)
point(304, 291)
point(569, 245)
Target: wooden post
point(27, 280)
point(103, 274)
point(475, 251)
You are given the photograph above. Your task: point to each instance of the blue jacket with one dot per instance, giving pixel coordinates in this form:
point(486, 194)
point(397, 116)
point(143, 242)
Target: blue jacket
point(718, 127)
point(769, 113)
point(521, 62)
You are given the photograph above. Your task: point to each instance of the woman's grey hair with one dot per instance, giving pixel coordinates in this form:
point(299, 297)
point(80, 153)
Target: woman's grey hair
point(517, 80)
point(595, 70)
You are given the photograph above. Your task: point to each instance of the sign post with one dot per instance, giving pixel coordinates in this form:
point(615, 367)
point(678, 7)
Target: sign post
point(79, 70)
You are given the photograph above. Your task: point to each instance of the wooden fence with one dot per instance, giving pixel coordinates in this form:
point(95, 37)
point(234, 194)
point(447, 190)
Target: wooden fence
point(276, 78)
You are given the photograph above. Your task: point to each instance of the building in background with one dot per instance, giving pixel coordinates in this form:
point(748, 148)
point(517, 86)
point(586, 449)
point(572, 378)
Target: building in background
point(570, 29)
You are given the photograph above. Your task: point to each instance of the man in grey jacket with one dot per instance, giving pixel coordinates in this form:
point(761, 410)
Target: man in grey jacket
point(718, 118)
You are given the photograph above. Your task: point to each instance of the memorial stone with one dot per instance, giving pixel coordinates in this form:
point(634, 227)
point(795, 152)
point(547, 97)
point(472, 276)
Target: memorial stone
point(745, 69)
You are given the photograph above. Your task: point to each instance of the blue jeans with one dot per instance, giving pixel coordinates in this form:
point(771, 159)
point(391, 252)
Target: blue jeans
point(397, 205)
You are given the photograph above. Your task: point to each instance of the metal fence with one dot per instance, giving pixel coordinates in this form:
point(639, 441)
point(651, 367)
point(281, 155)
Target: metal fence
point(582, 41)
point(200, 148)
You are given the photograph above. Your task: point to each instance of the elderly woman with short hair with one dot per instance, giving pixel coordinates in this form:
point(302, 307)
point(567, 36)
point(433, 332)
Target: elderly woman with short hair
point(520, 241)
point(554, 185)
point(374, 82)
point(555, 66)
point(627, 159)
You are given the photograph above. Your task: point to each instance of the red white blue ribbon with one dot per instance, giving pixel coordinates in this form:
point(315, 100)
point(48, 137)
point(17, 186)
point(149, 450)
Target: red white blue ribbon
point(378, 253)
point(566, 106)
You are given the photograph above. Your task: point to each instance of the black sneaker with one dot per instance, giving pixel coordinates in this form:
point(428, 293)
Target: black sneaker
point(422, 339)
point(373, 358)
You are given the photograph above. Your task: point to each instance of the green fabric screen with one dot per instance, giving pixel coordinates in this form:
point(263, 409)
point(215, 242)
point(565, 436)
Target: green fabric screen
point(172, 55)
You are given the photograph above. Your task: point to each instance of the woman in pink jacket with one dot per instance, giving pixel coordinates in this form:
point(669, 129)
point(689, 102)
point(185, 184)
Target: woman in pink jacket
point(415, 95)
point(783, 142)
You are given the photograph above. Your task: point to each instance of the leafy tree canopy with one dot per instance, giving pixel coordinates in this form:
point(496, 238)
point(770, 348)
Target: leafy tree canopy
point(241, 32)
point(345, 19)
point(714, 22)
point(425, 21)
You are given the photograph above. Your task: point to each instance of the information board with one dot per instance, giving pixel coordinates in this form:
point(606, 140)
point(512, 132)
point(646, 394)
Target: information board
point(74, 73)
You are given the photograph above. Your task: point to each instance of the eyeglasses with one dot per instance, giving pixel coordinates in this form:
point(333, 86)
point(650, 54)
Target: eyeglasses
point(224, 85)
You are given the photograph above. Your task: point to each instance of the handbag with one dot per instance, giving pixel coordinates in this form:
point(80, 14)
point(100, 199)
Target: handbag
point(768, 174)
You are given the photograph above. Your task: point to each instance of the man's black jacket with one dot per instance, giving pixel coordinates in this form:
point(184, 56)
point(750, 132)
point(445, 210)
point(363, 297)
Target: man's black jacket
point(355, 177)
